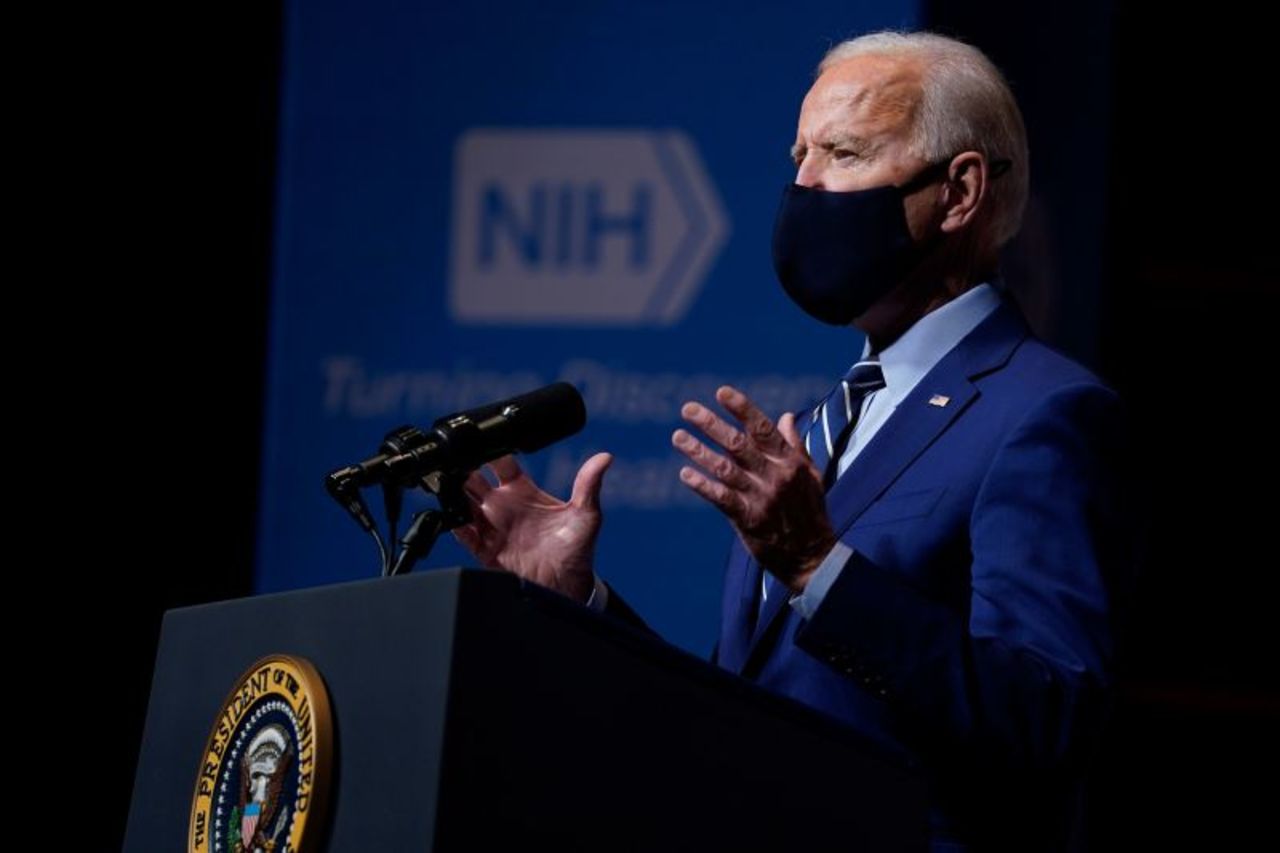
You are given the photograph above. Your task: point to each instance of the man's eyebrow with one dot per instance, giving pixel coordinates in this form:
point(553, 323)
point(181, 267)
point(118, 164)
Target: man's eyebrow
point(857, 144)
point(849, 141)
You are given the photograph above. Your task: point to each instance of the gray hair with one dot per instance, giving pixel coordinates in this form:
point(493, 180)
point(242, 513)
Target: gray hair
point(966, 106)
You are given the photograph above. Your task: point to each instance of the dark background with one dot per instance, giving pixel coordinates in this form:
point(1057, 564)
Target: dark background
point(179, 197)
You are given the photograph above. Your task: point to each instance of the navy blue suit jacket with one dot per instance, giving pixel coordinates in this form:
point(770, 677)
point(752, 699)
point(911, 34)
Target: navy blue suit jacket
point(974, 629)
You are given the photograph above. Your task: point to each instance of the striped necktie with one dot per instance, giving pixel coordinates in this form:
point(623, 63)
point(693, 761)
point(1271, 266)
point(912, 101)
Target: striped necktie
point(835, 417)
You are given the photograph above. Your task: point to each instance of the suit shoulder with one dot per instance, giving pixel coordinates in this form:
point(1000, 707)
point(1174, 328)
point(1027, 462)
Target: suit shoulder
point(1039, 382)
point(1043, 370)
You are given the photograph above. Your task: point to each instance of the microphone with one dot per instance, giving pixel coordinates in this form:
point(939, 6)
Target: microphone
point(399, 440)
point(460, 443)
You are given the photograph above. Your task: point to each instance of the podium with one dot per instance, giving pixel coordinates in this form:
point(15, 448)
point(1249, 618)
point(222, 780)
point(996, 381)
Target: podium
point(474, 711)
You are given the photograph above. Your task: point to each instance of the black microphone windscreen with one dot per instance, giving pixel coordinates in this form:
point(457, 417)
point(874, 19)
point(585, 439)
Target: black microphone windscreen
point(525, 423)
point(545, 416)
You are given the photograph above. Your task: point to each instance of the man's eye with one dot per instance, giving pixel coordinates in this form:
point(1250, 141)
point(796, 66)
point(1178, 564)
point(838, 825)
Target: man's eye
point(843, 153)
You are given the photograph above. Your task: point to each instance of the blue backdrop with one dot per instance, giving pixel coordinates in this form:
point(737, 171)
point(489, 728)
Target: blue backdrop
point(478, 199)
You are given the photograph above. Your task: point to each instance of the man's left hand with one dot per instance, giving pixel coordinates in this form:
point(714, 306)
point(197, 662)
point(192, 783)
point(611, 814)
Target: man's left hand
point(763, 481)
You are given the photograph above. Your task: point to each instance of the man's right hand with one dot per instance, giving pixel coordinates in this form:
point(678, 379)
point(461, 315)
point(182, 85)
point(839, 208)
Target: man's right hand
point(518, 527)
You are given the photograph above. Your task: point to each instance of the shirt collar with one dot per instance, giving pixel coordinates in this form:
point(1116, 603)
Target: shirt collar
point(919, 349)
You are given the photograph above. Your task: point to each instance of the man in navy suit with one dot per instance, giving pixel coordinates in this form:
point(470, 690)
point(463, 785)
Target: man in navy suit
point(936, 551)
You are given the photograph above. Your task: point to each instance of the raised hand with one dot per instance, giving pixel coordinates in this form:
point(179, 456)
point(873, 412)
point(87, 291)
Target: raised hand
point(763, 481)
point(518, 527)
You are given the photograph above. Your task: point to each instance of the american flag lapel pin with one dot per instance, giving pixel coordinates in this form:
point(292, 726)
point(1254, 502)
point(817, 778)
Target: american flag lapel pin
point(939, 400)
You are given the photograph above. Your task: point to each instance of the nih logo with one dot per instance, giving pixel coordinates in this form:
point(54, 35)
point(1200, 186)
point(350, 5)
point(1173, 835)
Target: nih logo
point(580, 227)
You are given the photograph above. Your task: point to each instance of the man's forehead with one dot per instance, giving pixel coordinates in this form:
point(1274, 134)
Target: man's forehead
point(881, 90)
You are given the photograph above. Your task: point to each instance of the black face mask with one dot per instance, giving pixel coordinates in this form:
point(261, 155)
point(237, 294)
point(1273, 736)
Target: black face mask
point(838, 253)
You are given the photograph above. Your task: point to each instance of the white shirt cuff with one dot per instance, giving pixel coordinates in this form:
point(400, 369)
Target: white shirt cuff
point(599, 597)
point(808, 602)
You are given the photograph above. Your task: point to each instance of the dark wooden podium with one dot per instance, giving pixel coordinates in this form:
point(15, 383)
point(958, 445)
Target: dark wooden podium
point(476, 712)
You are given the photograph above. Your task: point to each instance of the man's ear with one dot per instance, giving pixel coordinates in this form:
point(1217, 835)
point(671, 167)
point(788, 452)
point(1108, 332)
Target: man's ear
point(965, 191)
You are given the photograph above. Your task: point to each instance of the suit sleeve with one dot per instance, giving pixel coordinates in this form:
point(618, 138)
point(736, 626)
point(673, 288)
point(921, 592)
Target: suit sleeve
point(1023, 677)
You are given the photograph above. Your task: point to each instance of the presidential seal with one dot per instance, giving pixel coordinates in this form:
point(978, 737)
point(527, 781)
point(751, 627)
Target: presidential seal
point(264, 779)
